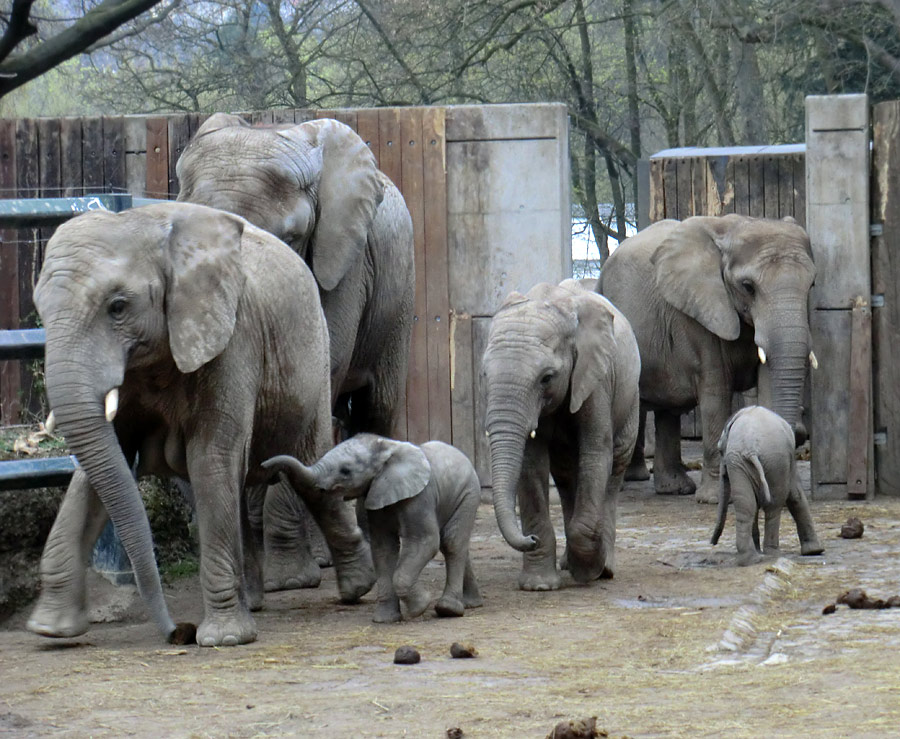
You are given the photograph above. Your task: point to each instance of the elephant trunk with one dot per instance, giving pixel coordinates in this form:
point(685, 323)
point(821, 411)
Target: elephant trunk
point(508, 430)
point(788, 353)
point(80, 414)
point(299, 475)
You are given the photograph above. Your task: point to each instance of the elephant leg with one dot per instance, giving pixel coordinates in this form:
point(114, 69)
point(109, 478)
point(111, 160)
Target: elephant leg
point(471, 592)
point(419, 543)
point(385, 540)
point(217, 488)
point(254, 546)
point(773, 526)
point(670, 476)
point(289, 562)
point(715, 408)
point(798, 506)
point(745, 516)
point(454, 539)
point(61, 609)
point(539, 565)
point(564, 477)
point(637, 470)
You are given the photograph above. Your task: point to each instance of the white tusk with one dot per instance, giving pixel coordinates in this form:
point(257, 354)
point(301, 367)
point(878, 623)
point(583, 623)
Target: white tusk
point(814, 363)
point(50, 423)
point(762, 354)
point(487, 433)
point(533, 433)
point(112, 404)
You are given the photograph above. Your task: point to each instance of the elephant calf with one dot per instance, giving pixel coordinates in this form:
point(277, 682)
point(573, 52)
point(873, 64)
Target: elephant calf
point(418, 500)
point(760, 471)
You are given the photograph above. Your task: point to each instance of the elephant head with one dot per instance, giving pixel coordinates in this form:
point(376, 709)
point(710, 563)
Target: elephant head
point(383, 470)
point(157, 288)
point(733, 269)
point(547, 352)
point(314, 185)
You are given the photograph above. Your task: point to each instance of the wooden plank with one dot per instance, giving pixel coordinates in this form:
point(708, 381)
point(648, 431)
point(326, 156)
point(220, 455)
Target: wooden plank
point(741, 186)
point(301, 115)
point(730, 189)
point(347, 117)
point(157, 183)
point(462, 384)
point(480, 328)
point(770, 187)
point(700, 201)
point(367, 128)
point(785, 186)
point(390, 155)
point(71, 157)
point(657, 191)
point(799, 214)
point(50, 179)
point(886, 282)
point(136, 154)
point(670, 188)
point(28, 186)
point(437, 296)
point(92, 155)
point(10, 372)
point(282, 115)
point(413, 188)
point(684, 188)
point(755, 187)
point(179, 135)
point(860, 422)
point(506, 122)
point(114, 154)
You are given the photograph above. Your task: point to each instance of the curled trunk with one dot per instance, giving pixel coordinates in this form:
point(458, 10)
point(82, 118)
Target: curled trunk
point(300, 476)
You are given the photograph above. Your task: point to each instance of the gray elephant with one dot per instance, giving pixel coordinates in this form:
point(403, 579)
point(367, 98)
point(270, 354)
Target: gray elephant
point(419, 500)
point(759, 471)
point(317, 187)
point(708, 299)
point(561, 371)
point(182, 340)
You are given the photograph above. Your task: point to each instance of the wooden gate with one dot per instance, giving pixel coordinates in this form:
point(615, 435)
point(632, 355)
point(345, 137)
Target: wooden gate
point(487, 187)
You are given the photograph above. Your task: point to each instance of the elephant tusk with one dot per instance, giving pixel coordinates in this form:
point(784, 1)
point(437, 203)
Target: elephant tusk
point(112, 404)
point(487, 433)
point(814, 363)
point(50, 423)
point(762, 354)
point(533, 433)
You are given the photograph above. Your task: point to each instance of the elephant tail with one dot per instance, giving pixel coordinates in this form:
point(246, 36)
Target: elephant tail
point(764, 496)
point(724, 497)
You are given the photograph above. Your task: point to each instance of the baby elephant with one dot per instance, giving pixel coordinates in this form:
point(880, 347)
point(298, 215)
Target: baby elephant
point(418, 500)
point(759, 470)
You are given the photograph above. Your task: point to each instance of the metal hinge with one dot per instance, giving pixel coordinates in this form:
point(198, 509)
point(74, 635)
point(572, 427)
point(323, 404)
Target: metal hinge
point(879, 438)
point(876, 229)
point(878, 300)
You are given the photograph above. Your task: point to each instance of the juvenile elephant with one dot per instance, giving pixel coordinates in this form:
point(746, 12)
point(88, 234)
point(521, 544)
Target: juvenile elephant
point(184, 341)
point(419, 500)
point(759, 471)
point(561, 370)
point(708, 299)
point(317, 187)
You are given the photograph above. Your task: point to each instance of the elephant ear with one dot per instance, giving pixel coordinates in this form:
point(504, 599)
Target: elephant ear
point(350, 190)
point(205, 282)
point(689, 275)
point(595, 346)
point(404, 475)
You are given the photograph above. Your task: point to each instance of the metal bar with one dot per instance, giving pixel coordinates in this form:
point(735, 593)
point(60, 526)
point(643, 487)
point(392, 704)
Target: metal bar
point(20, 474)
point(25, 343)
point(40, 212)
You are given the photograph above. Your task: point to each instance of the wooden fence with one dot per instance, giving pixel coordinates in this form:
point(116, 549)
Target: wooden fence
point(484, 224)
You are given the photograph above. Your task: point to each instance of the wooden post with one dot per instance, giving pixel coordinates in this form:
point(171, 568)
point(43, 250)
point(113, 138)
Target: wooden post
point(837, 219)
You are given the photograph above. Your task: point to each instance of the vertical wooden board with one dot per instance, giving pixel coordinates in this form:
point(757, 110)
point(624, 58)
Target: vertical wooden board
point(700, 204)
point(657, 191)
point(480, 329)
point(92, 155)
point(49, 165)
point(301, 115)
point(684, 188)
point(71, 157)
point(799, 166)
point(367, 128)
point(10, 375)
point(114, 154)
point(770, 187)
point(324, 113)
point(135, 154)
point(756, 187)
point(347, 117)
point(157, 184)
point(437, 279)
point(282, 115)
point(741, 186)
point(670, 188)
point(730, 190)
point(462, 384)
point(785, 186)
point(886, 282)
point(389, 159)
point(860, 420)
point(27, 186)
point(179, 135)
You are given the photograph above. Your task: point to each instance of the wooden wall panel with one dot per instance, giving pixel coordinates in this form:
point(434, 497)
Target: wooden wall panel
point(10, 372)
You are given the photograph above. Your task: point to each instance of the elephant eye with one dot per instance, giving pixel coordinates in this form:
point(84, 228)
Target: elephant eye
point(548, 378)
point(344, 471)
point(748, 286)
point(117, 307)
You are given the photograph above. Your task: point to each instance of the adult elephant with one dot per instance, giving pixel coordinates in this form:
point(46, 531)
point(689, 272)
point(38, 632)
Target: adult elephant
point(708, 299)
point(181, 340)
point(561, 370)
point(317, 187)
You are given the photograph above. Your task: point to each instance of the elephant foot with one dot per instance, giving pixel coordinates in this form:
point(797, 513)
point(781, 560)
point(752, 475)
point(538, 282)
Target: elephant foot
point(318, 546)
point(415, 603)
point(809, 548)
point(472, 598)
point(355, 573)
point(637, 471)
point(745, 559)
point(673, 483)
point(387, 612)
point(51, 618)
point(449, 605)
point(227, 629)
point(286, 573)
point(708, 492)
point(537, 581)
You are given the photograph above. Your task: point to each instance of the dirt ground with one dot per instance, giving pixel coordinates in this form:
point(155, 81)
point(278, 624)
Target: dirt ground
point(680, 643)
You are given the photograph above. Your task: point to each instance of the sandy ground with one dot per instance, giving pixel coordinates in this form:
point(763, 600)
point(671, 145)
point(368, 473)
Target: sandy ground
point(645, 653)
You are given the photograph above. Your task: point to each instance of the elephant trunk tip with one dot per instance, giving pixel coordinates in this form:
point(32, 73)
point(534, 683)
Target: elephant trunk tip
point(525, 543)
point(183, 633)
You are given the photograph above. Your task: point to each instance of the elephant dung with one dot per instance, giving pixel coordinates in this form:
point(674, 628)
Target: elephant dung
point(407, 655)
point(853, 529)
point(462, 651)
point(582, 729)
